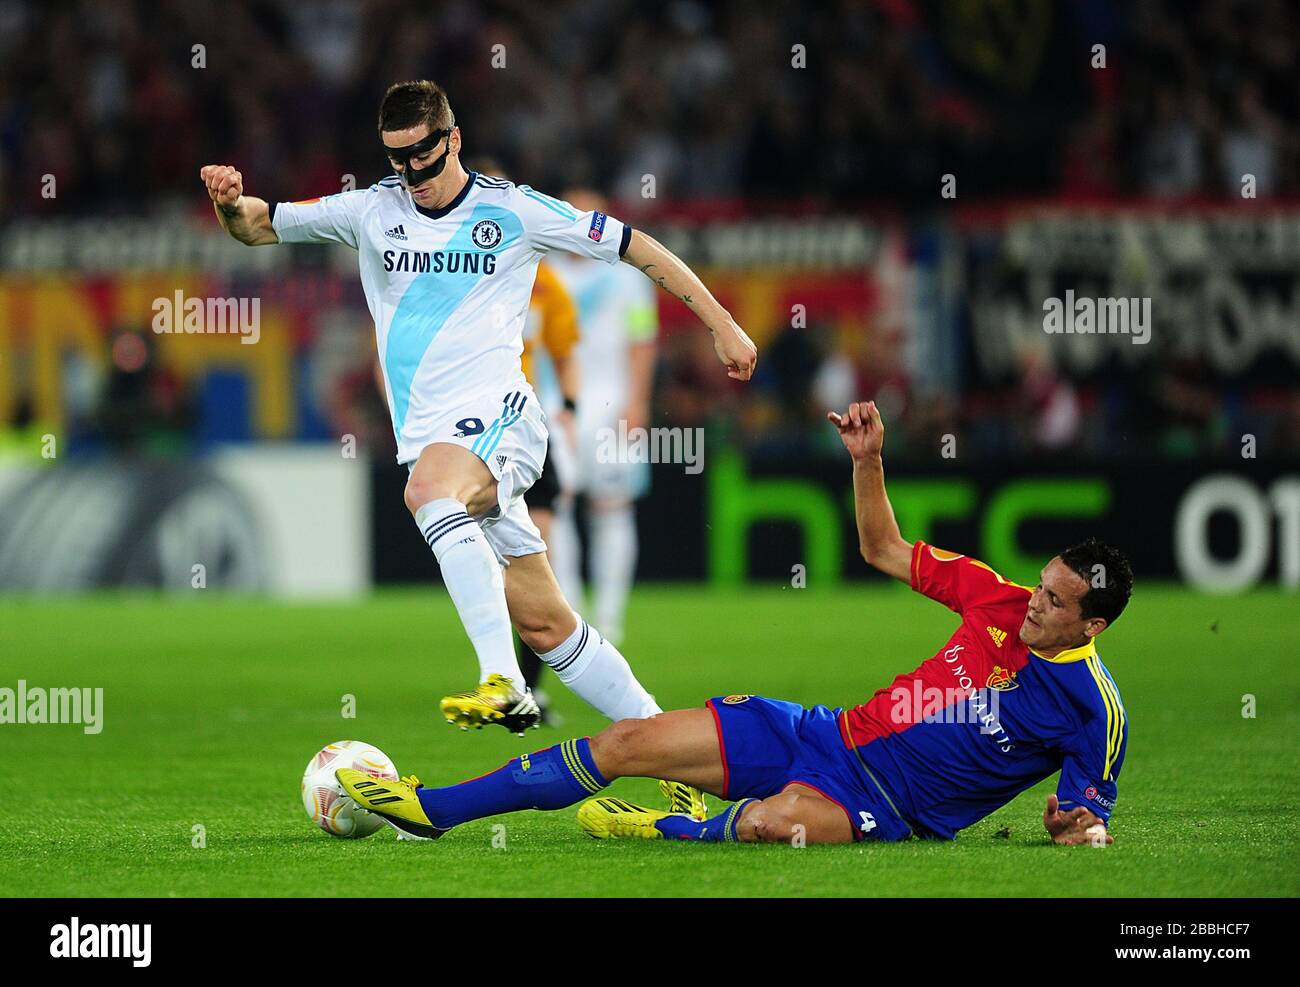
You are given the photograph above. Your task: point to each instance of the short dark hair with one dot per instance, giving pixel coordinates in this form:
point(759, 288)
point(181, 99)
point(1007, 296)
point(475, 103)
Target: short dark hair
point(1108, 574)
point(409, 104)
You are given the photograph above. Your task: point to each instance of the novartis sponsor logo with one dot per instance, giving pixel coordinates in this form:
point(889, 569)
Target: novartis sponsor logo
point(960, 703)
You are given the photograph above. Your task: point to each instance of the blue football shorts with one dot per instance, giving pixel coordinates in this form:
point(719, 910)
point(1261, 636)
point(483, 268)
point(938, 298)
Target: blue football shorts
point(768, 745)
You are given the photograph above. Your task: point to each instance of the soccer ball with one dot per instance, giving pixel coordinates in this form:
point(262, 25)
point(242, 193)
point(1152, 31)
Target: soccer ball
point(323, 797)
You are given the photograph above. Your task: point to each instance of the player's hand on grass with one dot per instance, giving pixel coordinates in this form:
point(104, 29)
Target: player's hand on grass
point(861, 430)
point(736, 351)
point(225, 186)
point(1078, 827)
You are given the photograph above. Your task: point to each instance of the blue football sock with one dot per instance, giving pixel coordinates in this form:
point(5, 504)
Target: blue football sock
point(548, 779)
point(720, 829)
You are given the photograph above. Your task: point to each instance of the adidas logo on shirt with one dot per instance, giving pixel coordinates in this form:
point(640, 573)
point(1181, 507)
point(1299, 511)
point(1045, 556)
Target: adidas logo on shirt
point(398, 232)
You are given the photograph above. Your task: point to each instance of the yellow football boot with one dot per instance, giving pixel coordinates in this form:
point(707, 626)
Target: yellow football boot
point(394, 801)
point(604, 818)
point(497, 700)
point(683, 800)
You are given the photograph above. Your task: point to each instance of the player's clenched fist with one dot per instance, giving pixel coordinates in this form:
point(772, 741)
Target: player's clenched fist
point(225, 184)
point(738, 352)
point(861, 430)
point(246, 218)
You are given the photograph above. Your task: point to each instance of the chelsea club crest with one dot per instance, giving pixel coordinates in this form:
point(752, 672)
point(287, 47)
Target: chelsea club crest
point(486, 234)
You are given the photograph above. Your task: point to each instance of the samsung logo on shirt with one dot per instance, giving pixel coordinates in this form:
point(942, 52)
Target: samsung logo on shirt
point(440, 262)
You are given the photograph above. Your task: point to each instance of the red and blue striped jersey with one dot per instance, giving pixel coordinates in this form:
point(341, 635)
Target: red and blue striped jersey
point(987, 717)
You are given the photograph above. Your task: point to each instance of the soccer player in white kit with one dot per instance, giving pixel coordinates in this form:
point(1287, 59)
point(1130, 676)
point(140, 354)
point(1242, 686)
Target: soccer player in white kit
point(447, 261)
point(616, 353)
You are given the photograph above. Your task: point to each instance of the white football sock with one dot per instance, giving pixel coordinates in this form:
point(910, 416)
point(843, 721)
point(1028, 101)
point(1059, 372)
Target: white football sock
point(565, 554)
point(596, 671)
point(613, 565)
point(473, 577)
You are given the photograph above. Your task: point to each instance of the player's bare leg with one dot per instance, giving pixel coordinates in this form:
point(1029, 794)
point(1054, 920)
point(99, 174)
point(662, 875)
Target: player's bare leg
point(681, 745)
point(582, 659)
point(448, 490)
point(538, 608)
point(445, 469)
point(798, 811)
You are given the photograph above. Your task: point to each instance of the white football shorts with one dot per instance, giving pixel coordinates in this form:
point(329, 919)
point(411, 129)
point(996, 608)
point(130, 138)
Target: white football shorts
point(508, 432)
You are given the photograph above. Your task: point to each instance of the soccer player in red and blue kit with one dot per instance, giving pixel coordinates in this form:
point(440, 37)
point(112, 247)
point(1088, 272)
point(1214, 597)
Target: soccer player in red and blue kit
point(1016, 694)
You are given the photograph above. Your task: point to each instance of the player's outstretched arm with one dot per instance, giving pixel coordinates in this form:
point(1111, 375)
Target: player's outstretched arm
point(733, 346)
point(879, 540)
point(246, 218)
point(1078, 827)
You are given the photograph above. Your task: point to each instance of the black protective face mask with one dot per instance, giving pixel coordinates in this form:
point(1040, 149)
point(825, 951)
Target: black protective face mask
point(411, 177)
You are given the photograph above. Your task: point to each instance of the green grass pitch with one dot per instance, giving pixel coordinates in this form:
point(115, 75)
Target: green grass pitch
point(213, 706)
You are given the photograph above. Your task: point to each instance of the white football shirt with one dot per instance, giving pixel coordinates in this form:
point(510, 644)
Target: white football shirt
point(448, 289)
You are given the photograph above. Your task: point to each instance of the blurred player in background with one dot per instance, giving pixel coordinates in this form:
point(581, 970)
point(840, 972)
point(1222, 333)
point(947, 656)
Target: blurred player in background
point(447, 261)
point(616, 356)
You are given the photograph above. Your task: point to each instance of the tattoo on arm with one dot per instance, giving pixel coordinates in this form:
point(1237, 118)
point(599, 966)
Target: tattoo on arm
point(662, 283)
